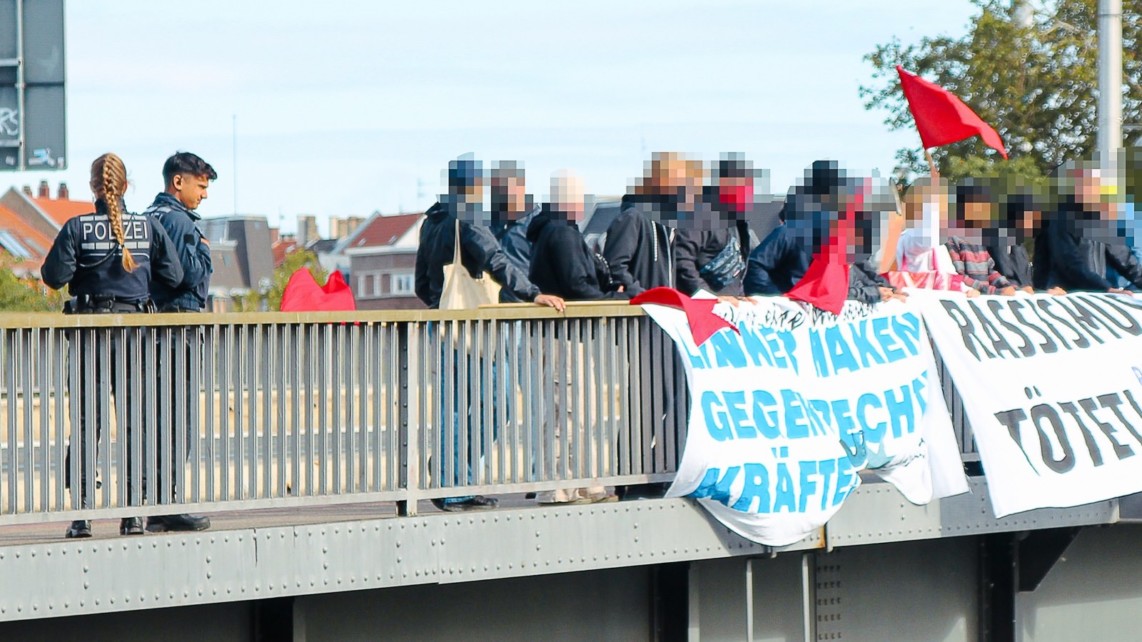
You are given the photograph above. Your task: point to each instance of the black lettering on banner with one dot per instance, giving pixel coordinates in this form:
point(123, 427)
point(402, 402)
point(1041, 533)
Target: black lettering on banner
point(1104, 304)
point(1028, 348)
point(1121, 450)
point(1079, 341)
point(1067, 460)
point(1082, 412)
point(1048, 346)
point(1086, 320)
point(999, 343)
point(1112, 402)
point(1088, 438)
point(967, 330)
point(1011, 420)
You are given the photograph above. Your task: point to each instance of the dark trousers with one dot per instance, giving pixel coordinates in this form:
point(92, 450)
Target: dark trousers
point(103, 362)
point(176, 408)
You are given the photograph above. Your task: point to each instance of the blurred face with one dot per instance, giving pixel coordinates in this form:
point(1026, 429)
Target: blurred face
point(668, 176)
point(189, 190)
point(1030, 222)
point(473, 193)
point(977, 214)
point(1088, 189)
point(735, 193)
point(512, 192)
point(567, 197)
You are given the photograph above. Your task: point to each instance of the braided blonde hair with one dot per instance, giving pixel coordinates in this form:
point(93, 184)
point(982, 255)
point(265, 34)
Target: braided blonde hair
point(109, 182)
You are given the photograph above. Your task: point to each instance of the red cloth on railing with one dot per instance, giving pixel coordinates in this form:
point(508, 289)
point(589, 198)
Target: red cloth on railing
point(302, 294)
point(699, 312)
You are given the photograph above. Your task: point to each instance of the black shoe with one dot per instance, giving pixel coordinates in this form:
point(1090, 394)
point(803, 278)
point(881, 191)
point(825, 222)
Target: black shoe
point(530, 495)
point(79, 528)
point(479, 502)
point(642, 491)
point(131, 526)
point(178, 523)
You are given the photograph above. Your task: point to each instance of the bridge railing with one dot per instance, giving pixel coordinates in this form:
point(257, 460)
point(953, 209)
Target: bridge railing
point(217, 412)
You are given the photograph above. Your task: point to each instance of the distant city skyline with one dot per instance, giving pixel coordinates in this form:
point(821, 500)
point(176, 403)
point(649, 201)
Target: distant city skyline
point(358, 106)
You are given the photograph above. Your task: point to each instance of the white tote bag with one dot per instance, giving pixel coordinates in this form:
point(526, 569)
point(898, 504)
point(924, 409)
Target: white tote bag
point(461, 291)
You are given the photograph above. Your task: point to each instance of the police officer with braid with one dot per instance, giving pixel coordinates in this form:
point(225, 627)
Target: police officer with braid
point(107, 259)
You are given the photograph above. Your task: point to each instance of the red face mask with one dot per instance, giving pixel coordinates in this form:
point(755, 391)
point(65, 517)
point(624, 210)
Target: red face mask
point(735, 197)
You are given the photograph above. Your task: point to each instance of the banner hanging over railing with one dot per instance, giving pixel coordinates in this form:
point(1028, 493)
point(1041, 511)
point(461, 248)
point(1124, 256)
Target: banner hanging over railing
point(787, 410)
point(1052, 386)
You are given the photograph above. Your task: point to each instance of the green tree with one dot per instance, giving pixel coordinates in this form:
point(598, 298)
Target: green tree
point(19, 294)
point(1037, 85)
point(272, 299)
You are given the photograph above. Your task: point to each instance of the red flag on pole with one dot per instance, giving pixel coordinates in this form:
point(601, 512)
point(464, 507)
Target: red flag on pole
point(302, 294)
point(941, 117)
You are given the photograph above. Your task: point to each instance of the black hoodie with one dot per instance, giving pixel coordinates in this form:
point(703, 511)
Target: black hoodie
point(1080, 246)
point(561, 262)
point(639, 250)
point(479, 252)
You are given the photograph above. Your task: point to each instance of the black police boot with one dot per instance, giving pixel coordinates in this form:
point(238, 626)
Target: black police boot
point(131, 526)
point(79, 528)
point(182, 522)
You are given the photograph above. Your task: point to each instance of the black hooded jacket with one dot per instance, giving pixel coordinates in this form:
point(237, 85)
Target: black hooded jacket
point(561, 262)
point(1011, 258)
point(695, 249)
point(640, 251)
point(479, 252)
point(1080, 247)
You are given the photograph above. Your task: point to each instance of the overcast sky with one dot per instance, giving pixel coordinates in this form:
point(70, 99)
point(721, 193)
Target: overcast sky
point(347, 107)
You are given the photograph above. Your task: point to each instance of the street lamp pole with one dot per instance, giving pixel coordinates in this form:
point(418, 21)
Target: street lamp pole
point(1109, 81)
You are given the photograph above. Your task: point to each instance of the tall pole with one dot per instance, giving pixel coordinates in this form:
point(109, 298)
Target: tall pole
point(1109, 81)
point(234, 151)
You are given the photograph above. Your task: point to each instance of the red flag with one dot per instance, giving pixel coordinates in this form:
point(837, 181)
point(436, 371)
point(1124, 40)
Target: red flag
point(703, 322)
point(826, 282)
point(941, 117)
point(302, 294)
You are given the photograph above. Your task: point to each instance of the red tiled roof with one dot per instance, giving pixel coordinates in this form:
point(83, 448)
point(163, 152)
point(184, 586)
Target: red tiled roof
point(31, 242)
point(61, 211)
point(383, 230)
point(283, 248)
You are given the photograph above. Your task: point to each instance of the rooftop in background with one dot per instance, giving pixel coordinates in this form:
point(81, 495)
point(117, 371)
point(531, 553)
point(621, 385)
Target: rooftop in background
point(27, 245)
point(380, 231)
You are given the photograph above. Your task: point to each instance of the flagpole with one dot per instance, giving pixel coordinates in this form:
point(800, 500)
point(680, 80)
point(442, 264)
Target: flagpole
point(931, 164)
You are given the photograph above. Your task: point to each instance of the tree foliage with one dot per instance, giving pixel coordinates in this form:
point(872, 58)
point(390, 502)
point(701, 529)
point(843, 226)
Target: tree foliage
point(21, 294)
point(1037, 85)
point(271, 300)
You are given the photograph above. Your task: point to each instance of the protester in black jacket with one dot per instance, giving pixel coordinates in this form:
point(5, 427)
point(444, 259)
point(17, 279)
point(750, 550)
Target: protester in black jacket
point(513, 209)
point(640, 248)
point(712, 248)
point(782, 258)
point(1081, 244)
point(1007, 242)
point(561, 262)
point(479, 250)
point(641, 240)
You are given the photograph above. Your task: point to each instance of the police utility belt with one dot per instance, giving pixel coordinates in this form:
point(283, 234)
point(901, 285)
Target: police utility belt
point(106, 304)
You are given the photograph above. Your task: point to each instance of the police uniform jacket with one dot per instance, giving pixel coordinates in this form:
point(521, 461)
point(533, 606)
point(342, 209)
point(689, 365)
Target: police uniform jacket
point(87, 257)
point(192, 252)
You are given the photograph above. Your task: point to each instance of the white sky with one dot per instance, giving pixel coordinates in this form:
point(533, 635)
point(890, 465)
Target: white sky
point(346, 107)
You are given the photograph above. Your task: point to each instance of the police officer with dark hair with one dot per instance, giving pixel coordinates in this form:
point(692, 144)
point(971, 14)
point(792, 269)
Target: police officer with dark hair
point(186, 178)
point(108, 260)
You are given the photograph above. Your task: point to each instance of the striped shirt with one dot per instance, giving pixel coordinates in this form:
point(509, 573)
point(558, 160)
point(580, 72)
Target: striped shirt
point(975, 263)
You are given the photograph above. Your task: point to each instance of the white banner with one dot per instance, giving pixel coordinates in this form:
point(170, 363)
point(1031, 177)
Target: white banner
point(787, 412)
point(1052, 387)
